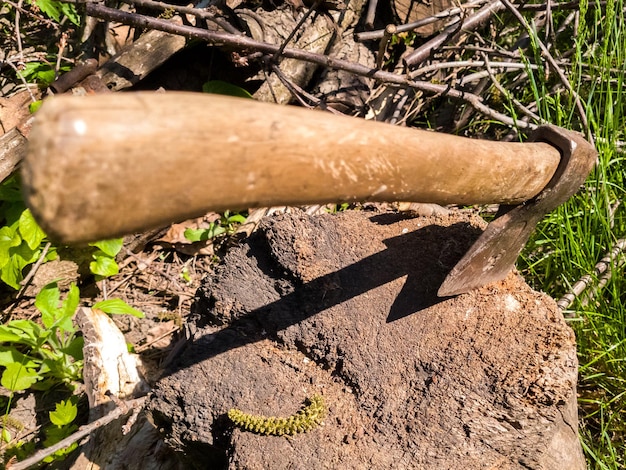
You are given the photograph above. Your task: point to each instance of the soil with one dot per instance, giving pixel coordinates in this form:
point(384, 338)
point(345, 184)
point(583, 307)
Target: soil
point(344, 305)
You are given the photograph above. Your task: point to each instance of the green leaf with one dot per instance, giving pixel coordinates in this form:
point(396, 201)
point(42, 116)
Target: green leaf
point(196, 235)
point(47, 302)
point(103, 265)
point(30, 231)
point(28, 330)
point(117, 307)
point(64, 413)
point(69, 10)
point(20, 257)
point(10, 190)
point(75, 348)
point(52, 254)
point(219, 87)
point(50, 8)
point(68, 307)
point(16, 377)
point(12, 355)
point(9, 238)
point(5, 435)
point(110, 247)
point(11, 275)
point(6, 335)
point(202, 234)
point(38, 72)
point(34, 106)
point(237, 219)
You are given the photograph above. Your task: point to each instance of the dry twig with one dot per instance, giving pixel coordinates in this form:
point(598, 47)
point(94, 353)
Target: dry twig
point(450, 12)
point(604, 269)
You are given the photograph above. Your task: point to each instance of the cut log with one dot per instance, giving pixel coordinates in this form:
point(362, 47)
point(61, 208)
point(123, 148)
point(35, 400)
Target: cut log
point(345, 306)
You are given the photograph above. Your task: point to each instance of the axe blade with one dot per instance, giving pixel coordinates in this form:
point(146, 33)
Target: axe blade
point(493, 255)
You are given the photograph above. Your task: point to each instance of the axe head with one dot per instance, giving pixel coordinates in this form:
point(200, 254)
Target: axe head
point(494, 254)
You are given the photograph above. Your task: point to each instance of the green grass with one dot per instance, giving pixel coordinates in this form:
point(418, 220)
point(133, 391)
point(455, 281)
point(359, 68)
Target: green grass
point(575, 237)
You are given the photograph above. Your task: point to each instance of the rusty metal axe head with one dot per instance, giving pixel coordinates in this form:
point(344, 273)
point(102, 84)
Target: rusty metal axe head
point(493, 255)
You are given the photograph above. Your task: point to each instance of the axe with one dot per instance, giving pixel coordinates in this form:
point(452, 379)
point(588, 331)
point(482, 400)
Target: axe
point(107, 165)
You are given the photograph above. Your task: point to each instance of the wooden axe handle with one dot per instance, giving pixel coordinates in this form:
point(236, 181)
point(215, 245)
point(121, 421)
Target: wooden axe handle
point(105, 165)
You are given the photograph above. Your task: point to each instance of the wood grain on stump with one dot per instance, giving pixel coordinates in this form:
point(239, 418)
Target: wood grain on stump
point(345, 306)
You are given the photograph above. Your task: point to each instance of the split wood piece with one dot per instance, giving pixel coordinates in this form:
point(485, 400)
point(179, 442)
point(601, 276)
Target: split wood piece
point(317, 36)
point(110, 374)
point(343, 91)
point(13, 148)
point(408, 11)
point(15, 123)
point(134, 63)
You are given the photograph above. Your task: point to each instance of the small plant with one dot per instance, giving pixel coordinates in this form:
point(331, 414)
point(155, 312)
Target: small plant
point(335, 208)
point(61, 425)
point(41, 73)
point(40, 357)
point(21, 239)
point(56, 10)
point(225, 226)
point(104, 264)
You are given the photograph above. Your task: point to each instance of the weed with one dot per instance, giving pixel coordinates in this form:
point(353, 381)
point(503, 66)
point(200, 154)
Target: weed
point(226, 225)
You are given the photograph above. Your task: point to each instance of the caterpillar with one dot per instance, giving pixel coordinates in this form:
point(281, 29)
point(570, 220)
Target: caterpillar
point(309, 416)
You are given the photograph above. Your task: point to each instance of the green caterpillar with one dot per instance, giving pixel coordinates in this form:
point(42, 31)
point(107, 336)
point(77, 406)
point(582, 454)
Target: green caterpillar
point(304, 420)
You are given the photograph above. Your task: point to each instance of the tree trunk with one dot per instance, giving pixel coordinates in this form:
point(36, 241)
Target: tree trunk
point(344, 306)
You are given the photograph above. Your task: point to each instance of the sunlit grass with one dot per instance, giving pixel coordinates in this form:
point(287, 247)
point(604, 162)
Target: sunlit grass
point(570, 241)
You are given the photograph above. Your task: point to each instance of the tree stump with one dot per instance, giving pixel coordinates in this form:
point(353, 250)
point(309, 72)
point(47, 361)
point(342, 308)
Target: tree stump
point(344, 305)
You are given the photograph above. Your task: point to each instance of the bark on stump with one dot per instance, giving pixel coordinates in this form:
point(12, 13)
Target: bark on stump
point(345, 306)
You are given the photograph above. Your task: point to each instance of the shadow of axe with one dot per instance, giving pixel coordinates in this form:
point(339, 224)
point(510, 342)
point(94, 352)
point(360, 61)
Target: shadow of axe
point(108, 165)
